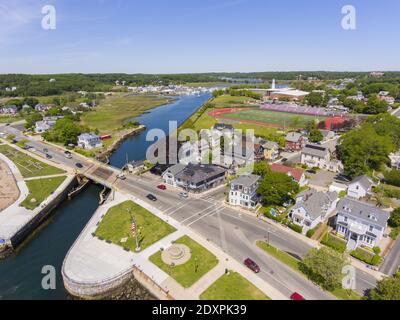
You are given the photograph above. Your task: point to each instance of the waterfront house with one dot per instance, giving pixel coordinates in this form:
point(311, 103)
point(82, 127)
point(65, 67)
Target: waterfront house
point(360, 223)
point(194, 177)
point(296, 174)
point(360, 187)
point(243, 191)
point(89, 141)
point(312, 208)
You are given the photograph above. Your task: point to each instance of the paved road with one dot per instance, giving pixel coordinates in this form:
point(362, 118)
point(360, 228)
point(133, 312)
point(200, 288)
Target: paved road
point(234, 232)
point(392, 261)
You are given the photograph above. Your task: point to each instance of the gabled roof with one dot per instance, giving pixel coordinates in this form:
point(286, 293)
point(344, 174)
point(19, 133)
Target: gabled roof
point(293, 137)
point(364, 181)
point(363, 211)
point(246, 180)
point(313, 202)
point(295, 173)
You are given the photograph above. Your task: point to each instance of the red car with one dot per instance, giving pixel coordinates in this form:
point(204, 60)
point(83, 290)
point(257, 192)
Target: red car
point(296, 296)
point(162, 187)
point(252, 265)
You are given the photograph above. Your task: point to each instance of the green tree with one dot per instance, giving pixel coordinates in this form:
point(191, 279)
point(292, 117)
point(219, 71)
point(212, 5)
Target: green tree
point(392, 177)
point(261, 168)
point(315, 99)
point(324, 266)
point(277, 188)
point(65, 131)
point(32, 119)
point(394, 220)
point(315, 136)
point(386, 289)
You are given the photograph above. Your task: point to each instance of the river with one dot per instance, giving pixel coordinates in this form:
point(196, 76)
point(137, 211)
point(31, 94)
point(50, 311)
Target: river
point(20, 274)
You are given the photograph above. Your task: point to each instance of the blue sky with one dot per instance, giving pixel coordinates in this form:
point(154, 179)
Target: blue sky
point(176, 36)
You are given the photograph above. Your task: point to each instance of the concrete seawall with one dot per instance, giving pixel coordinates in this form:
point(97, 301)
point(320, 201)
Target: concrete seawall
point(26, 229)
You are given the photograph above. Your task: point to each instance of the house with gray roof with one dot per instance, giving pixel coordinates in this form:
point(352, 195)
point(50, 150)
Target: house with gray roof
point(195, 177)
point(243, 191)
point(360, 223)
point(360, 187)
point(312, 208)
point(294, 141)
point(319, 156)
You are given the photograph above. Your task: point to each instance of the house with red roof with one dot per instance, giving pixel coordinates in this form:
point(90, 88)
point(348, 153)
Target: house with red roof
point(297, 174)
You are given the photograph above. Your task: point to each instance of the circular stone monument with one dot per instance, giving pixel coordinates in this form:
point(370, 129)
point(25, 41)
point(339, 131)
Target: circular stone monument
point(176, 255)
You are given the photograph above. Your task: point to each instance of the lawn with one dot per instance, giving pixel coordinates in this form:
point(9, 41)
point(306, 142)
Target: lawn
point(233, 286)
point(187, 274)
point(116, 225)
point(114, 112)
point(294, 263)
point(28, 166)
point(39, 190)
point(7, 119)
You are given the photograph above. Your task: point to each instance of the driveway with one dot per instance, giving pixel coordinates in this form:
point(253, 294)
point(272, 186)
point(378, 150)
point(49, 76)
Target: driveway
point(321, 180)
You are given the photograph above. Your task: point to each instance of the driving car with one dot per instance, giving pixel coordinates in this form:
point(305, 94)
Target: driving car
point(297, 296)
point(151, 197)
point(68, 155)
point(162, 187)
point(121, 176)
point(252, 265)
point(79, 165)
point(183, 195)
point(49, 156)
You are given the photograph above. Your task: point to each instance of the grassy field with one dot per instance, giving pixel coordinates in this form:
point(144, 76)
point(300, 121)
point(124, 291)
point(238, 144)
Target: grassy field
point(28, 166)
point(5, 119)
point(39, 190)
point(202, 120)
point(114, 112)
point(233, 286)
point(187, 274)
point(294, 263)
point(116, 225)
point(279, 119)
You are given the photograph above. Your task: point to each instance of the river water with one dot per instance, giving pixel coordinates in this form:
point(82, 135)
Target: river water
point(20, 274)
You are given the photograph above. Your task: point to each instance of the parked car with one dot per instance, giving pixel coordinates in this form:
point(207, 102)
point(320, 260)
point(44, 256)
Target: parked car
point(151, 197)
point(79, 165)
point(68, 155)
point(162, 187)
point(312, 171)
point(297, 296)
point(49, 156)
point(252, 265)
point(284, 160)
point(183, 195)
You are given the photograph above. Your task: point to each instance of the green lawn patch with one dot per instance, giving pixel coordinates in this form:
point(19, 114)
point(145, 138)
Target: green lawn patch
point(28, 166)
point(334, 243)
point(233, 286)
point(39, 190)
point(295, 263)
point(187, 274)
point(116, 225)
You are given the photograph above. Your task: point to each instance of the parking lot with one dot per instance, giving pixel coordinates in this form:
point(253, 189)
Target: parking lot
point(321, 180)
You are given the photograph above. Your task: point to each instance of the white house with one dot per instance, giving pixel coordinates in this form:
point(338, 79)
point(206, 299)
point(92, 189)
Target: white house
point(318, 156)
point(43, 126)
point(360, 187)
point(243, 191)
point(89, 141)
point(313, 207)
point(360, 223)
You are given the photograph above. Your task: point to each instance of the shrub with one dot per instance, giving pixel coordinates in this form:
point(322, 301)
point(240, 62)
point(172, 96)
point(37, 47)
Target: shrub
point(295, 227)
point(377, 250)
point(366, 256)
point(334, 243)
point(277, 218)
